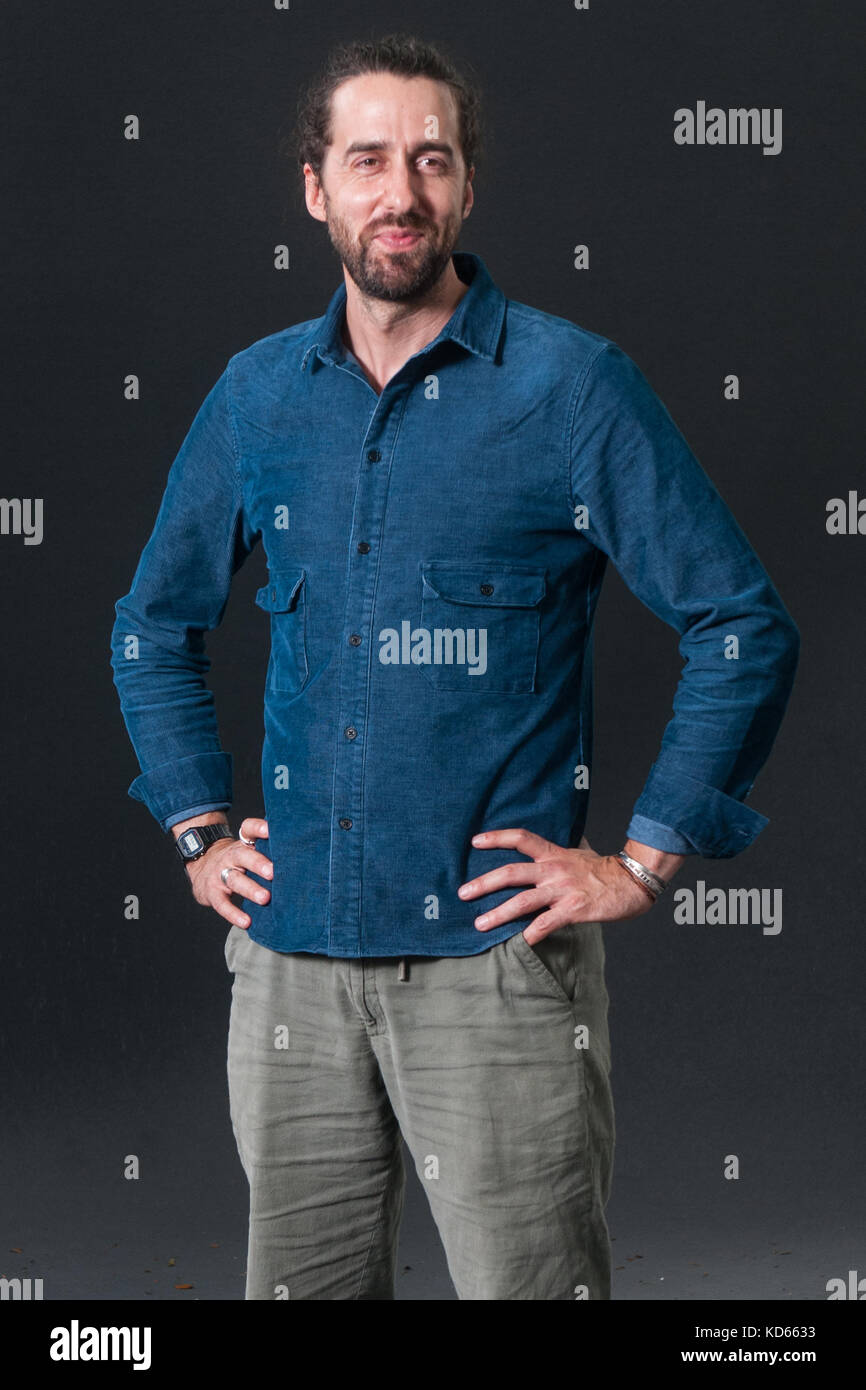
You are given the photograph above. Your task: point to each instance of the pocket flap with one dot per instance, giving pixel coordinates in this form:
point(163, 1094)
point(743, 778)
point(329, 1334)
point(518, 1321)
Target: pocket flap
point(280, 592)
point(484, 584)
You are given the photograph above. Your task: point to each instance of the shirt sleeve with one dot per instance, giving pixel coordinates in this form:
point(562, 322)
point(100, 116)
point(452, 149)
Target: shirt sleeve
point(654, 511)
point(179, 591)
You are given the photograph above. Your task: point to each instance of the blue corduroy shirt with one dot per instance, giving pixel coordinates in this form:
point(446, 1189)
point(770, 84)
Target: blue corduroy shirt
point(435, 555)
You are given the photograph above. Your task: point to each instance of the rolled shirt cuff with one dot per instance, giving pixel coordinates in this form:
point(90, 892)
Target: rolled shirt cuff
point(658, 836)
point(717, 825)
point(191, 811)
point(199, 780)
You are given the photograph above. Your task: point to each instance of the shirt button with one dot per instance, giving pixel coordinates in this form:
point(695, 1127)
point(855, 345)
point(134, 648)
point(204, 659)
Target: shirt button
point(355, 640)
point(487, 588)
point(373, 455)
point(351, 732)
point(345, 823)
point(363, 547)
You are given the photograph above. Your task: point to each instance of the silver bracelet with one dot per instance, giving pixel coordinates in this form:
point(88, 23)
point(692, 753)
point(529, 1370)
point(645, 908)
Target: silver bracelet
point(653, 884)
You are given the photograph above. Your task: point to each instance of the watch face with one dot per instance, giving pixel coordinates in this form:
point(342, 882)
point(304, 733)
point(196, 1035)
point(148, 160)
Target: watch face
point(191, 842)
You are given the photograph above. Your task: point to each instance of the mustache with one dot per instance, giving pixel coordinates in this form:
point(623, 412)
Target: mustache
point(398, 227)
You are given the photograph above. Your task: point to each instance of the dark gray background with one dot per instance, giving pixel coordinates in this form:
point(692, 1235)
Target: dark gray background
point(155, 257)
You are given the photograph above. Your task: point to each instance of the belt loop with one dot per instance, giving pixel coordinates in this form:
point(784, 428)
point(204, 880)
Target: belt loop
point(403, 969)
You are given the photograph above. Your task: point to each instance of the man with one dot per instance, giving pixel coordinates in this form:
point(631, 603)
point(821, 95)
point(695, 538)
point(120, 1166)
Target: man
point(438, 476)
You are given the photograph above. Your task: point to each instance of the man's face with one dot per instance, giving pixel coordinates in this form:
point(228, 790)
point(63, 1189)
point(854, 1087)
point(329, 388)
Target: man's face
point(394, 189)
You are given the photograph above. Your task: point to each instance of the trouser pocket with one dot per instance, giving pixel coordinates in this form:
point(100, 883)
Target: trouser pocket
point(232, 941)
point(551, 962)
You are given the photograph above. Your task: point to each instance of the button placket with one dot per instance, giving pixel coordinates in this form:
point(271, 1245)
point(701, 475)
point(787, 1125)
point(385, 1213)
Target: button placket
point(355, 660)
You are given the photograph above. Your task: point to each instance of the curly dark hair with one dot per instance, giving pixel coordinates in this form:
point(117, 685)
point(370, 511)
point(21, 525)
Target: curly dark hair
point(402, 54)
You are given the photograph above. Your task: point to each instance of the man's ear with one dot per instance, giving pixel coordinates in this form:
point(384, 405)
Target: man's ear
point(314, 194)
point(468, 193)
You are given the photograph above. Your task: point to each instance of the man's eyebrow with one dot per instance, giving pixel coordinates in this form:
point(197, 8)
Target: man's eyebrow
point(363, 146)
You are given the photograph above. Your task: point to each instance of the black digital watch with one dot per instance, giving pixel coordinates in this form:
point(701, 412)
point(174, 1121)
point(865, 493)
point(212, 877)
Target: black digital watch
point(193, 843)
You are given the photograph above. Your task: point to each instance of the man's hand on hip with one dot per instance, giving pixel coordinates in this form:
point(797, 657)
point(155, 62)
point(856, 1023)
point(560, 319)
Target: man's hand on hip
point(571, 885)
point(211, 889)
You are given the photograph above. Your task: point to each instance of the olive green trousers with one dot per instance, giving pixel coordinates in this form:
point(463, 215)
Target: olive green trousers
point(494, 1068)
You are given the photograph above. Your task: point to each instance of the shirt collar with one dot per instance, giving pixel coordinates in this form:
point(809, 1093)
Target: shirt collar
point(476, 322)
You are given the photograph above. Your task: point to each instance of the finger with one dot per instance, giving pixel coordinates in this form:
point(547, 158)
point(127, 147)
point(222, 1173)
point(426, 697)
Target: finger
point(221, 902)
point(245, 856)
point(526, 841)
point(254, 829)
point(545, 923)
point(530, 901)
point(504, 877)
point(234, 880)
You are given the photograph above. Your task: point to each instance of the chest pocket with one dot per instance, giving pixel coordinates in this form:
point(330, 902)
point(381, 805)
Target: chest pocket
point(285, 598)
point(480, 625)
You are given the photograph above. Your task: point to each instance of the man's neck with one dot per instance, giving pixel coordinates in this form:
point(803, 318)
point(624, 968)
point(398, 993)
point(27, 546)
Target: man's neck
point(383, 335)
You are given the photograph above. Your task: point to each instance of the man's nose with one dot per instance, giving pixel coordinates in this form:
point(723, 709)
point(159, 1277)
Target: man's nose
point(400, 192)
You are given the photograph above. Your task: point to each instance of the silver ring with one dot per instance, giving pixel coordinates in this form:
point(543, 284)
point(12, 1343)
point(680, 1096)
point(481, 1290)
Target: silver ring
point(224, 872)
point(244, 839)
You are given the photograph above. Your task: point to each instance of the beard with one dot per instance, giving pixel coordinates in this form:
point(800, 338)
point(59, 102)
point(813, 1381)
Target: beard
point(398, 276)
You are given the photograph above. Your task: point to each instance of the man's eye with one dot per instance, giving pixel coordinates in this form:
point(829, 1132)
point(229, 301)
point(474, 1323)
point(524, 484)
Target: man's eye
point(426, 159)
